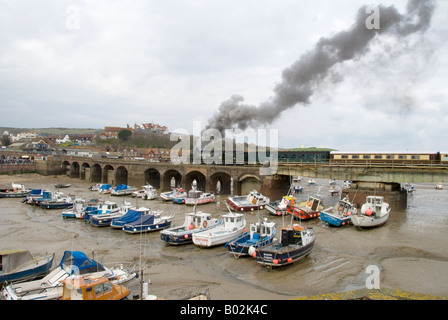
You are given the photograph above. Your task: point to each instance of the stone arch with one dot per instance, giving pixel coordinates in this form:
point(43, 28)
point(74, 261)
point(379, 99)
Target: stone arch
point(152, 176)
point(199, 177)
point(224, 180)
point(168, 175)
point(85, 171)
point(108, 174)
point(96, 173)
point(121, 175)
point(249, 182)
point(74, 170)
point(66, 167)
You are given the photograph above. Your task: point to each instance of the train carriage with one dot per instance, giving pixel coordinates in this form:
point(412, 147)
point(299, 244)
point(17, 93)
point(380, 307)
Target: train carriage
point(414, 158)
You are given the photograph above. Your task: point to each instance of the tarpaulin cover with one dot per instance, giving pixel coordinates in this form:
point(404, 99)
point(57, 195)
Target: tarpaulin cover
point(79, 263)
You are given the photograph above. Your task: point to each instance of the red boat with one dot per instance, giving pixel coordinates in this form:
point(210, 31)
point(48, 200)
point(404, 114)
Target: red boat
point(304, 210)
point(253, 201)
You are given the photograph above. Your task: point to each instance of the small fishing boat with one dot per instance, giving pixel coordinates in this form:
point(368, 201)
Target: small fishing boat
point(197, 197)
point(295, 244)
point(233, 226)
point(169, 195)
point(97, 186)
point(100, 208)
point(311, 182)
point(16, 191)
point(76, 211)
point(374, 212)
point(20, 265)
point(253, 201)
point(37, 195)
point(50, 286)
point(148, 192)
point(149, 222)
point(332, 182)
point(304, 210)
point(105, 219)
point(122, 190)
point(57, 202)
point(260, 234)
point(439, 186)
point(180, 199)
point(338, 215)
point(278, 207)
point(195, 222)
point(130, 216)
point(62, 186)
point(92, 288)
point(409, 188)
point(105, 188)
point(334, 190)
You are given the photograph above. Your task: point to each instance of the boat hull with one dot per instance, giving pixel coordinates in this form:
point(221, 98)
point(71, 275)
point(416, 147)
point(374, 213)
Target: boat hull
point(182, 235)
point(211, 239)
point(147, 228)
point(274, 209)
point(364, 221)
point(300, 213)
point(272, 256)
point(37, 268)
point(334, 220)
point(243, 245)
point(243, 206)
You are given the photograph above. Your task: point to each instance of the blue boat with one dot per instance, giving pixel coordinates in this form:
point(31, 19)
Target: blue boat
point(19, 265)
point(130, 216)
point(105, 188)
point(179, 199)
point(100, 208)
point(122, 190)
point(38, 195)
point(105, 219)
point(338, 215)
point(57, 202)
point(259, 235)
point(194, 222)
point(295, 244)
point(149, 222)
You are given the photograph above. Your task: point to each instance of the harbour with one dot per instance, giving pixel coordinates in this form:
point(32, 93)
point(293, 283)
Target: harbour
point(409, 249)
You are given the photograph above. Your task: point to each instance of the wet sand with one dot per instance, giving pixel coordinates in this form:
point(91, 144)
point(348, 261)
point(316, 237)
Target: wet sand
point(410, 250)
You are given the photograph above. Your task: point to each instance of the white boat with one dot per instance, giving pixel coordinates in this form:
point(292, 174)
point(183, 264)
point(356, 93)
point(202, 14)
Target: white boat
point(148, 192)
point(195, 222)
point(334, 190)
point(122, 190)
point(311, 182)
point(439, 186)
point(105, 219)
point(76, 211)
point(199, 198)
point(373, 213)
point(253, 201)
point(175, 192)
point(50, 287)
point(234, 225)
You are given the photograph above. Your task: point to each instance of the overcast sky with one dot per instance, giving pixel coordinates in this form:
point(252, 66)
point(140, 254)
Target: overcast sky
point(97, 63)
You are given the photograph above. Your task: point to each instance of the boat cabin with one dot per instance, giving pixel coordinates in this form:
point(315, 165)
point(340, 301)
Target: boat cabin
point(232, 221)
point(375, 203)
point(92, 288)
point(313, 203)
point(291, 236)
point(198, 219)
point(262, 229)
point(255, 197)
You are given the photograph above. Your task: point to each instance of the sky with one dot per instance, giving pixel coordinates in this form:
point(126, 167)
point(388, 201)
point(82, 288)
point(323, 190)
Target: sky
point(97, 63)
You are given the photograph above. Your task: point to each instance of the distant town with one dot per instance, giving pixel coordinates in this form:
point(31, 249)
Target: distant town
point(146, 141)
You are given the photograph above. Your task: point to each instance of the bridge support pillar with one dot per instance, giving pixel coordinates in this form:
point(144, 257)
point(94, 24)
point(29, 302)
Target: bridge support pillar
point(275, 187)
point(391, 192)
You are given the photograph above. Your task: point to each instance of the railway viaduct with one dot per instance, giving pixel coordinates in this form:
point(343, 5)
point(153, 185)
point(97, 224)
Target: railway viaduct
point(240, 179)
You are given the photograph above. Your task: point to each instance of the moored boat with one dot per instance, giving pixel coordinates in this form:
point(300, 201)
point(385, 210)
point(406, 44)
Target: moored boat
point(234, 225)
point(253, 201)
point(50, 286)
point(260, 234)
point(148, 192)
point(122, 190)
point(195, 222)
point(154, 221)
point(130, 216)
point(374, 212)
point(339, 214)
point(92, 288)
point(105, 219)
point(169, 195)
point(16, 191)
point(57, 202)
point(197, 197)
point(278, 208)
point(62, 186)
point(304, 210)
point(295, 244)
point(20, 265)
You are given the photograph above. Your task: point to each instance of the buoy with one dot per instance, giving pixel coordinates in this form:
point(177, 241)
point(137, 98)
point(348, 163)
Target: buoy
point(289, 259)
point(275, 261)
point(191, 226)
point(186, 236)
point(369, 212)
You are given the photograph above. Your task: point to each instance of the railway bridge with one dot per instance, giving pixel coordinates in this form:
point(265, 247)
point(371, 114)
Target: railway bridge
point(384, 179)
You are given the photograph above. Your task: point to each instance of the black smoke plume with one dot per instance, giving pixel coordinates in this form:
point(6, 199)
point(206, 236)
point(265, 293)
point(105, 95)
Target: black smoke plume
point(299, 82)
